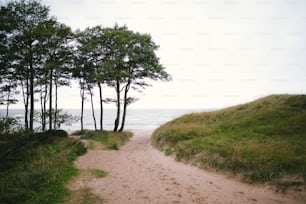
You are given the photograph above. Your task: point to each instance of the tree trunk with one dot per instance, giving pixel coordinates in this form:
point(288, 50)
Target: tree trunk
point(55, 108)
point(8, 100)
point(127, 87)
point(44, 107)
point(32, 101)
point(50, 98)
point(82, 105)
point(117, 120)
point(101, 106)
point(92, 106)
point(25, 95)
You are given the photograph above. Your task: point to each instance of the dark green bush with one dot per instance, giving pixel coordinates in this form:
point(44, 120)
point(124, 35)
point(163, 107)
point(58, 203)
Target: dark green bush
point(8, 125)
point(56, 133)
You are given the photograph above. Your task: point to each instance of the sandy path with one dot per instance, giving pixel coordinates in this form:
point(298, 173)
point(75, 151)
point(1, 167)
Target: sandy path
point(140, 174)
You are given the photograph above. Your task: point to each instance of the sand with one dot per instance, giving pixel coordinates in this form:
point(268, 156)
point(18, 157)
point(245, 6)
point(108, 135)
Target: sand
point(139, 174)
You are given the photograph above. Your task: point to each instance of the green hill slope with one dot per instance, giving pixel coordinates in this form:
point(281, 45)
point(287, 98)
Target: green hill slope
point(264, 140)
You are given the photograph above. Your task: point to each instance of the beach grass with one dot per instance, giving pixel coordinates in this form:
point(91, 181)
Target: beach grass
point(84, 196)
point(261, 141)
point(35, 167)
point(110, 140)
point(98, 173)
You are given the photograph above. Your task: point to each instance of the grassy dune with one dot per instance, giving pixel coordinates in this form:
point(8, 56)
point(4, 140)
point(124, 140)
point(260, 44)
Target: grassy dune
point(34, 167)
point(261, 141)
point(101, 139)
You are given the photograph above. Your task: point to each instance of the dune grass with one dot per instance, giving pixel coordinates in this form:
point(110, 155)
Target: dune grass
point(262, 141)
point(35, 167)
point(84, 196)
point(110, 140)
point(98, 173)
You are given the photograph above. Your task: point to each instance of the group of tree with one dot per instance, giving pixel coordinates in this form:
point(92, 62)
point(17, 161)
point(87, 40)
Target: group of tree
point(38, 55)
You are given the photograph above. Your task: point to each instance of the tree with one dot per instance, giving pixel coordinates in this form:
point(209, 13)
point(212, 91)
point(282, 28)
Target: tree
point(130, 61)
point(117, 39)
point(39, 55)
point(29, 22)
point(79, 72)
point(58, 64)
point(92, 46)
point(7, 81)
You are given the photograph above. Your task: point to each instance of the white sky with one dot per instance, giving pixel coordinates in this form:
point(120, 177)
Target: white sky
point(218, 52)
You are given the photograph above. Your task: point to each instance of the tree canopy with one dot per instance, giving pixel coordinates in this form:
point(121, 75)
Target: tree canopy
point(38, 55)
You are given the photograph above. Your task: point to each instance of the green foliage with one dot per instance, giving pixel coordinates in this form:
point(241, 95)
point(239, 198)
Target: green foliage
point(8, 125)
point(34, 168)
point(113, 146)
point(168, 152)
point(111, 140)
point(60, 117)
point(37, 54)
point(263, 140)
point(57, 133)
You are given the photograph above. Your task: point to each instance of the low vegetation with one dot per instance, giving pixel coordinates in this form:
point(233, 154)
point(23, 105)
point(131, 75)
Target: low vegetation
point(261, 141)
point(84, 196)
point(98, 173)
point(36, 166)
point(109, 140)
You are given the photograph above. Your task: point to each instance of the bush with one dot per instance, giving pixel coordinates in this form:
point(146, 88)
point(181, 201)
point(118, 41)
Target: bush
point(114, 146)
point(9, 125)
point(56, 133)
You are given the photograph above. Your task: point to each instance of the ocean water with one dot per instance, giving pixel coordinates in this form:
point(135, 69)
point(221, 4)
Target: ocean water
point(136, 119)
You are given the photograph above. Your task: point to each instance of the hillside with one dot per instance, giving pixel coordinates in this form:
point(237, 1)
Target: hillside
point(261, 141)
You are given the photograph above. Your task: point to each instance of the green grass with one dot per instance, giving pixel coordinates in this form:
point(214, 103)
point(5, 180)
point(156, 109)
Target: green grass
point(83, 196)
point(87, 197)
point(98, 173)
point(111, 140)
point(261, 141)
point(35, 167)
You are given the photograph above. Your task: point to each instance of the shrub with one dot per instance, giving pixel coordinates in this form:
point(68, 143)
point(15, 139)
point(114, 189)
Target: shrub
point(8, 125)
point(57, 133)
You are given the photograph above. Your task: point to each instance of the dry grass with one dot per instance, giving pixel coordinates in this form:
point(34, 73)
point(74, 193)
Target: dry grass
point(83, 196)
point(79, 193)
point(263, 140)
point(104, 139)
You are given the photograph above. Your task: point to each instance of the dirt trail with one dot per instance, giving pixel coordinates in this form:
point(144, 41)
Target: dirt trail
point(139, 174)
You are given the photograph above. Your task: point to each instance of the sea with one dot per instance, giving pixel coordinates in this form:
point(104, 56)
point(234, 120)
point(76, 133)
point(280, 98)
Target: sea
point(136, 119)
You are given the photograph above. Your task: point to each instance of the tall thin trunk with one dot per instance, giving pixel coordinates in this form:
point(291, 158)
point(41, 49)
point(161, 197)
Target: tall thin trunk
point(50, 98)
point(92, 106)
point(32, 101)
point(127, 87)
point(55, 111)
point(8, 99)
point(101, 106)
point(82, 105)
point(117, 120)
point(44, 106)
point(25, 95)
point(42, 110)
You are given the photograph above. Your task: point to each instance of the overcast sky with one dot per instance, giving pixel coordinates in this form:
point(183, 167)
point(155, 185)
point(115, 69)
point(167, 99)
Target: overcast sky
point(219, 52)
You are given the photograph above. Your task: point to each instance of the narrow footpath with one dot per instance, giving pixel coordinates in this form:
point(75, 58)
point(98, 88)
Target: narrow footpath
point(139, 174)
